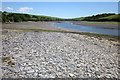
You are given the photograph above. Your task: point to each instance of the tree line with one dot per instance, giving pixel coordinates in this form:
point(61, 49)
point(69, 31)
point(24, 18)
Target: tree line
point(100, 17)
point(20, 17)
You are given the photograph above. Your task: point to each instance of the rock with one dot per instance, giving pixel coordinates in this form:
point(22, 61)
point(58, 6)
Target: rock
point(30, 71)
point(35, 74)
point(27, 68)
point(71, 75)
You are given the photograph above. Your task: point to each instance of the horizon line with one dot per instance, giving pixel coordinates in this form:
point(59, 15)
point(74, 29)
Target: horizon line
point(61, 17)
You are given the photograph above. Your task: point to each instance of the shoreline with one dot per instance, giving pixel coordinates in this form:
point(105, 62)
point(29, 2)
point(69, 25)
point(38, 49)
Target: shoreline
point(99, 36)
point(107, 25)
point(49, 27)
point(31, 25)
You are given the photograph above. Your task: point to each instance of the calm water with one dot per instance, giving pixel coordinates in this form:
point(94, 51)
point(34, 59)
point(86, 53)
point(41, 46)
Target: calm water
point(71, 26)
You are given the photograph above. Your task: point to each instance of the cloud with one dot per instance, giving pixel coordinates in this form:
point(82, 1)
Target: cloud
point(9, 8)
point(25, 9)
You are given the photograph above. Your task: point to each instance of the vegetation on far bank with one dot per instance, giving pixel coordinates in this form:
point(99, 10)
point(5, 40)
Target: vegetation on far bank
point(106, 22)
point(20, 17)
point(100, 17)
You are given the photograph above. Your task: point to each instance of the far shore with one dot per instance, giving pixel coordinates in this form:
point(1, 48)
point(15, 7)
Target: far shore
point(110, 25)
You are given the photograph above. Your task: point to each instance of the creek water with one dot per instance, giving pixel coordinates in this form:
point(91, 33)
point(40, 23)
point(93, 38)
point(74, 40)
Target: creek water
point(71, 26)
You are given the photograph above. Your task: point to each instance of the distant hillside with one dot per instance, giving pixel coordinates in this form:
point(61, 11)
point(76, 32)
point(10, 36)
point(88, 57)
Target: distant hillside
point(112, 18)
point(100, 17)
point(20, 17)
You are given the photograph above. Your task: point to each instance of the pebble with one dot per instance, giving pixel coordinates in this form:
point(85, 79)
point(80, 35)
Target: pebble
point(30, 71)
point(71, 75)
point(35, 74)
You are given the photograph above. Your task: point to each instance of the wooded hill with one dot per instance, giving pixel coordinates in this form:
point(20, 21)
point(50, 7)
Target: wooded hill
point(20, 17)
point(100, 17)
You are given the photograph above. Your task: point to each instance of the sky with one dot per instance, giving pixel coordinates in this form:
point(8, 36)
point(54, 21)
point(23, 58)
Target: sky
point(61, 9)
point(60, 0)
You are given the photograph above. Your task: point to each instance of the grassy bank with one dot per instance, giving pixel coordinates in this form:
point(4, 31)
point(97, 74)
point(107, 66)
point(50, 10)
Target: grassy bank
point(105, 25)
point(93, 22)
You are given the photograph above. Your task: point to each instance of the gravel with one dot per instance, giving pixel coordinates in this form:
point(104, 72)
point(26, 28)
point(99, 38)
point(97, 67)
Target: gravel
point(58, 55)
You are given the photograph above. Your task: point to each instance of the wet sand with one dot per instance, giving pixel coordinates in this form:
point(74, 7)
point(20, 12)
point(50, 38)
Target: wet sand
point(31, 25)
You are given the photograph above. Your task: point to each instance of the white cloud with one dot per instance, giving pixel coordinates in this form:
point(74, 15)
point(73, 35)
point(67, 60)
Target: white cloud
point(9, 8)
point(25, 9)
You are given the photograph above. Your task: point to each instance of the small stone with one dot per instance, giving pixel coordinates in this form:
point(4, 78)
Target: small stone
point(35, 74)
point(30, 71)
point(40, 75)
point(21, 68)
point(36, 70)
point(27, 68)
point(71, 75)
point(16, 48)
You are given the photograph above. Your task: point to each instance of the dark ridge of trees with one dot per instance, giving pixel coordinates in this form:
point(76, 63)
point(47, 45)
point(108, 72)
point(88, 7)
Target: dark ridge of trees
point(20, 17)
point(97, 17)
point(100, 17)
